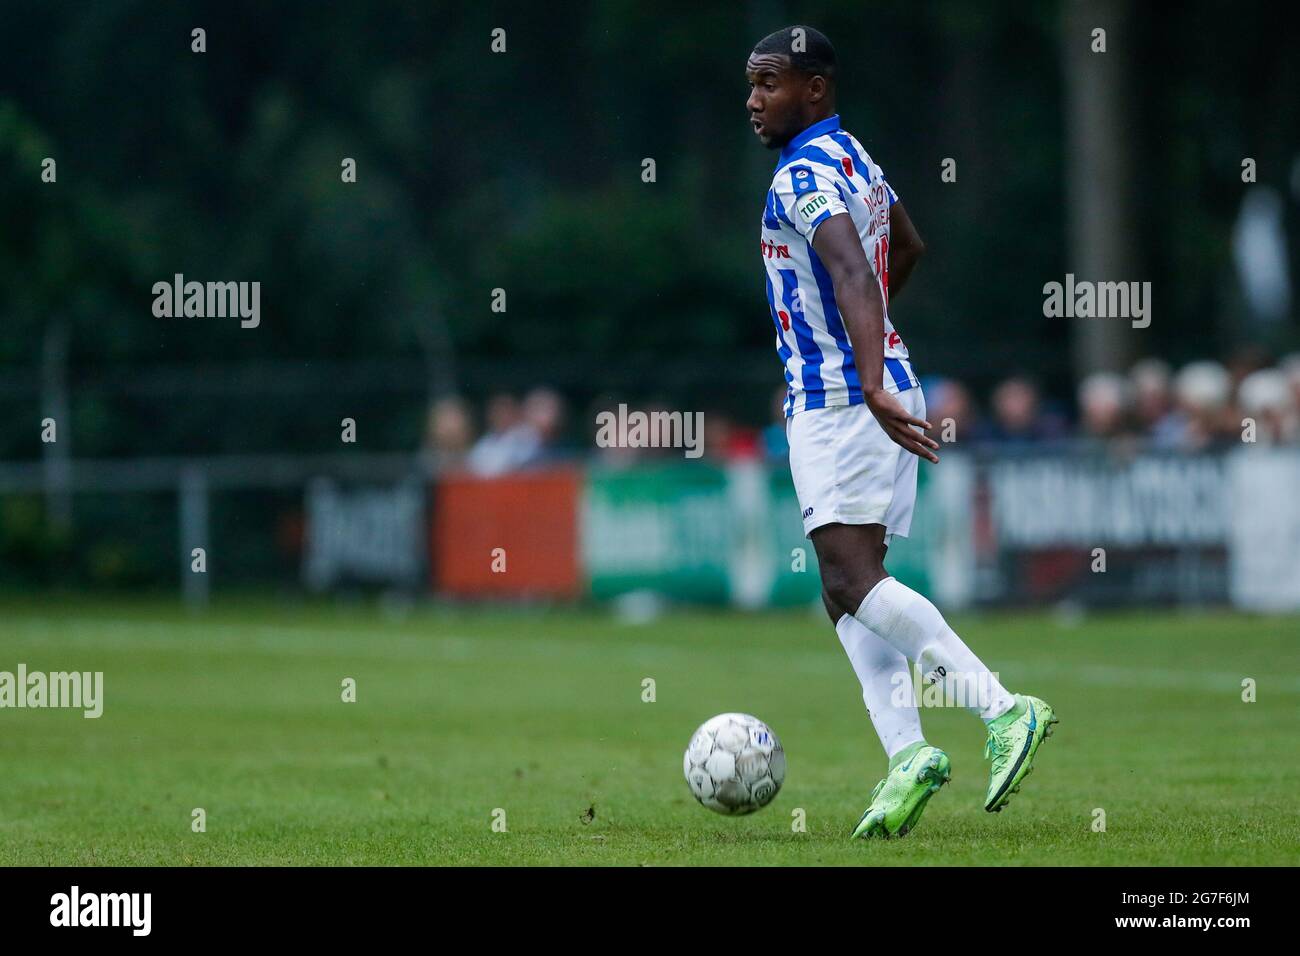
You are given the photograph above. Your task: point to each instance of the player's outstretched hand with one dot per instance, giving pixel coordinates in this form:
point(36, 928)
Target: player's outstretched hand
point(898, 425)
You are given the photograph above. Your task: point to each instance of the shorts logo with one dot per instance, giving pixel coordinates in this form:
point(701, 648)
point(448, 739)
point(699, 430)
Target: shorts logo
point(807, 512)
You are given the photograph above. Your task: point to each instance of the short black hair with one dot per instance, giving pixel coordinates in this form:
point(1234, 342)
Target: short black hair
point(814, 54)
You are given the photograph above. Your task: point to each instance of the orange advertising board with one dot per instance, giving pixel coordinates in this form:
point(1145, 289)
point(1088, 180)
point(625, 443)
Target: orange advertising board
point(531, 517)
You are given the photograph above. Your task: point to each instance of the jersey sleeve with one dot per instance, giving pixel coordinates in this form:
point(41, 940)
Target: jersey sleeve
point(807, 197)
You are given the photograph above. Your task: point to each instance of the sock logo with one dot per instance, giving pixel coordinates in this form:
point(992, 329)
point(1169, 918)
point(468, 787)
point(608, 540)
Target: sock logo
point(942, 686)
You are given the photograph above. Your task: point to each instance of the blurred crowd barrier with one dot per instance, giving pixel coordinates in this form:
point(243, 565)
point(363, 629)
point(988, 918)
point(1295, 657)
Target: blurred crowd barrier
point(1055, 527)
point(1062, 524)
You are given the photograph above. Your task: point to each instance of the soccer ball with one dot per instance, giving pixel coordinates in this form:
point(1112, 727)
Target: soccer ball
point(734, 764)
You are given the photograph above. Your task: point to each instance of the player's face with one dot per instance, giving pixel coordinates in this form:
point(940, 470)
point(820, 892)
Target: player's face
point(776, 101)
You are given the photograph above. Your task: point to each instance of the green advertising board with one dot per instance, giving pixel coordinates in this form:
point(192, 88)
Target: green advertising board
point(700, 532)
point(661, 528)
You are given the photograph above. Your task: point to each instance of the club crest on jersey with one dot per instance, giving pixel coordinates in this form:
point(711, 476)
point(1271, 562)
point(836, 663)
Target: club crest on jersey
point(847, 163)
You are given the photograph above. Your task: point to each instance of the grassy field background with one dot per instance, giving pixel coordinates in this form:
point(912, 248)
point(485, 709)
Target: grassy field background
point(238, 711)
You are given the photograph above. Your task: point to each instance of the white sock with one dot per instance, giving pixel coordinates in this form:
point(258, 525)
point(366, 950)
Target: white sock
point(886, 685)
point(917, 630)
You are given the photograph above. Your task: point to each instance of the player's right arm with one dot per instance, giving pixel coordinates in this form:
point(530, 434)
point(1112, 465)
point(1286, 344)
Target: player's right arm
point(857, 294)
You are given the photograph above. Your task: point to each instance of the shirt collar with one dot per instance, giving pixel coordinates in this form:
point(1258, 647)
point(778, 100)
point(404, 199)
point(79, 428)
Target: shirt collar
point(807, 136)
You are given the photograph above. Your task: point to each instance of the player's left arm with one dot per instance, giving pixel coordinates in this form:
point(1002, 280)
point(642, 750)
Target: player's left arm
point(905, 248)
point(862, 309)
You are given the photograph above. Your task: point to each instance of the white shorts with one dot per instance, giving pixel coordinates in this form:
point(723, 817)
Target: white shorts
point(848, 471)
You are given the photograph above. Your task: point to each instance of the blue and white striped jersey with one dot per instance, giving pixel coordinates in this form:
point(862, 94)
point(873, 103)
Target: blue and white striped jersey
point(824, 171)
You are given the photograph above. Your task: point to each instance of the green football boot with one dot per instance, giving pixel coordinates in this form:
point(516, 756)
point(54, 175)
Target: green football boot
point(899, 800)
point(1013, 741)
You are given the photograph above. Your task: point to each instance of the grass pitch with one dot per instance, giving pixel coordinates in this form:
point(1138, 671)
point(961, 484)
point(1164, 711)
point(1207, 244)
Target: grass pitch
point(540, 714)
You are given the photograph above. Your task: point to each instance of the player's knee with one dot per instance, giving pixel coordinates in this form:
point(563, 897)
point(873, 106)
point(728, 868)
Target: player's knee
point(841, 588)
point(845, 586)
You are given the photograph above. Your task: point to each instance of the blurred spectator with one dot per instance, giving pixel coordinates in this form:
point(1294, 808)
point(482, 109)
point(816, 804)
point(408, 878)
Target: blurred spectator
point(449, 432)
point(544, 414)
point(510, 442)
point(1202, 390)
point(948, 400)
point(1152, 396)
point(1103, 404)
point(1266, 397)
point(744, 443)
point(719, 435)
point(1018, 418)
point(1196, 409)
